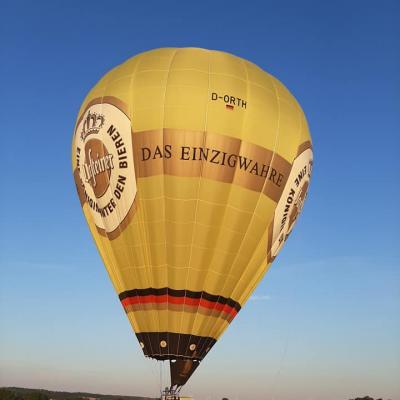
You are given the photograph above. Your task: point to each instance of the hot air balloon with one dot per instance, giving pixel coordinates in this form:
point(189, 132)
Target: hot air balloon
point(191, 167)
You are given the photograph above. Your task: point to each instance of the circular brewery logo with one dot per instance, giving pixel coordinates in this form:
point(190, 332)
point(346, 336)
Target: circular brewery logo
point(98, 166)
point(104, 157)
point(291, 201)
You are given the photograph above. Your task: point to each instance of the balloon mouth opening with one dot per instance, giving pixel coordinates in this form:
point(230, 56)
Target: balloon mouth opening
point(173, 359)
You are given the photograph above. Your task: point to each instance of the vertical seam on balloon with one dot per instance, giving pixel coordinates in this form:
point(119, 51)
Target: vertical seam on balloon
point(213, 321)
point(262, 271)
point(256, 205)
point(165, 228)
point(294, 157)
point(272, 162)
point(115, 271)
point(141, 228)
point(217, 321)
point(110, 251)
point(255, 208)
point(209, 52)
point(127, 247)
point(149, 266)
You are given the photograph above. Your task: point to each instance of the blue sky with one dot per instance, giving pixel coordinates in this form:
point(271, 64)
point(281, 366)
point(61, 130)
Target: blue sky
point(328, 313)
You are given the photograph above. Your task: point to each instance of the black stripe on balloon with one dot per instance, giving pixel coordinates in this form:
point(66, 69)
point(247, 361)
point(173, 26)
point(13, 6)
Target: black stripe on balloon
point(171, 345)
point(180, 293)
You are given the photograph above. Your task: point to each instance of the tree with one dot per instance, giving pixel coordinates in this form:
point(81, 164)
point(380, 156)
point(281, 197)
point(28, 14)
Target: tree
point(6, 394)
point(36, 396)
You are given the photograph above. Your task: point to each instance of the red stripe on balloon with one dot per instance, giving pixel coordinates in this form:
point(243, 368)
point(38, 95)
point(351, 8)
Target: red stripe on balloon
point(165, 299)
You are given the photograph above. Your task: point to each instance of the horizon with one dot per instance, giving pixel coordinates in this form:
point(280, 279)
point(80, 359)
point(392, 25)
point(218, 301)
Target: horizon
point(366, 397)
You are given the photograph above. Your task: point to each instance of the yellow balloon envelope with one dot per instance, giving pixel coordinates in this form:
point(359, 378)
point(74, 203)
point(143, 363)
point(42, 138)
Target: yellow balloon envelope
point(191, 166)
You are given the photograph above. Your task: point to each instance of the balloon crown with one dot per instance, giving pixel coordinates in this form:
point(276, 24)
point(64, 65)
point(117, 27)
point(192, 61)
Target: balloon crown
point(92, 124)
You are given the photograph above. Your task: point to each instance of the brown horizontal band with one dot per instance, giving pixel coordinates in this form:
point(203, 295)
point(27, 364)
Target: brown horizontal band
point(187, 153)
point(171, 345)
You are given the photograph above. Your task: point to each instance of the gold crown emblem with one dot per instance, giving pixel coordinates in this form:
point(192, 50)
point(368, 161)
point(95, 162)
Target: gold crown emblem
point(92, 124)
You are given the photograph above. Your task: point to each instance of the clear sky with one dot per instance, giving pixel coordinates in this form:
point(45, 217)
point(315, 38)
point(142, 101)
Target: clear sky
point(327, 316)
